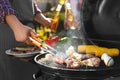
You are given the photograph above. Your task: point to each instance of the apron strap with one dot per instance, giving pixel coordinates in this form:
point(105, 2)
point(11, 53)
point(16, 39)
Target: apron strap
point(24, 11)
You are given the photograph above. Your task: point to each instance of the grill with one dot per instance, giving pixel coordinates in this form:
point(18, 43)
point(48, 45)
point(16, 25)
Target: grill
point(103, 30)
point(87, 73)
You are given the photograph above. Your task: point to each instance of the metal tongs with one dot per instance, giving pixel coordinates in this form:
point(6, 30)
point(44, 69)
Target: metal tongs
point(45, 47)
point(39, 43)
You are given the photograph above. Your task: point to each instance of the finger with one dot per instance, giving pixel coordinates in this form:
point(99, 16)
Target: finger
point(34, 42)
point(35, 36)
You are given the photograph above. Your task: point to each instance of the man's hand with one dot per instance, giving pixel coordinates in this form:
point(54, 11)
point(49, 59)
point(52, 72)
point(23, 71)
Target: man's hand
point(40, 18)
point(21, 32)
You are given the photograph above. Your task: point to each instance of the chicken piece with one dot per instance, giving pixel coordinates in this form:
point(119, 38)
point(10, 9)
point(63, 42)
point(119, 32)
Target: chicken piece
point(70, 51)
point(78, 56)
point(82, 56)
point(49, 57)
point(73, 63)
point(93, 62)
point(59, 60)
point(87, 56)
point(68, 62)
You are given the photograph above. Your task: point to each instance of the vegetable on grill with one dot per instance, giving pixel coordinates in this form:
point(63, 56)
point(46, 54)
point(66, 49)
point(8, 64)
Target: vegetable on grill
point(98, 51)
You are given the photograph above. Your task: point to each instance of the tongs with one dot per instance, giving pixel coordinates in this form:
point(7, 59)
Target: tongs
point(39, 43)
point(42, 45)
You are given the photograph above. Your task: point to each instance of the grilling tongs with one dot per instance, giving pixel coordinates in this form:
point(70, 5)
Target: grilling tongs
point(39, 43)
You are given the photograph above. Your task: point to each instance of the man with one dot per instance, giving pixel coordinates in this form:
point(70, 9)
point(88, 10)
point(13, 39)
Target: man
point(16, 17)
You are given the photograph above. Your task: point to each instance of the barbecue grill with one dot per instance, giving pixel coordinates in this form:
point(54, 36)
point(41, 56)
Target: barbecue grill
point(101, 27)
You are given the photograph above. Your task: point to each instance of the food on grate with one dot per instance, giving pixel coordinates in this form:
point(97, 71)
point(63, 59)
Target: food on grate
point(74, 59)
point(77, 60)
point(73, 63)
point(93, 62)
point(97, 51)
point(90, 49)
point(109, 61)
point(52, 41)
point(24, 49)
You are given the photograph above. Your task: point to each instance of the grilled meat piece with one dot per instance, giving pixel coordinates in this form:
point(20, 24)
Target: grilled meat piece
point(93, 62)
point(77, 60)
point(82, 56)
point(73, 63)
point(24, 49)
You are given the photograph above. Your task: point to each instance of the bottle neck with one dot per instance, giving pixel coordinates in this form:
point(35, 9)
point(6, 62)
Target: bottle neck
point(59, 7)
point(62, 2)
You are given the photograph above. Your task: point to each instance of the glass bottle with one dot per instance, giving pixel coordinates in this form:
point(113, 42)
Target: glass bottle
point(69, 22)
point(55, 20)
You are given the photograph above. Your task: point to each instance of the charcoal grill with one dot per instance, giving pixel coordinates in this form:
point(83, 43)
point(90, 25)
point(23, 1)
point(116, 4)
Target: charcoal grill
point(101, 21)
point(88, 73)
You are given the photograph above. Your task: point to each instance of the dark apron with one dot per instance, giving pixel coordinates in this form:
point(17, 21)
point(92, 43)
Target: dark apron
point(11, 69)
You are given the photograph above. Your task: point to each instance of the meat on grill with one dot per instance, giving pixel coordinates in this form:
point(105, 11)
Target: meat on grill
point(78, 60)
point(75, 60)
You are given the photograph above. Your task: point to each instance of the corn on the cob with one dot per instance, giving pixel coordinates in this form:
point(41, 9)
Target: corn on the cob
point(98, 51)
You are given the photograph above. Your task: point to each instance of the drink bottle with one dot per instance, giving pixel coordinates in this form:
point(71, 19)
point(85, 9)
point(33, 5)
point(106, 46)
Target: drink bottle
point(69, 22)
point(55, 20)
